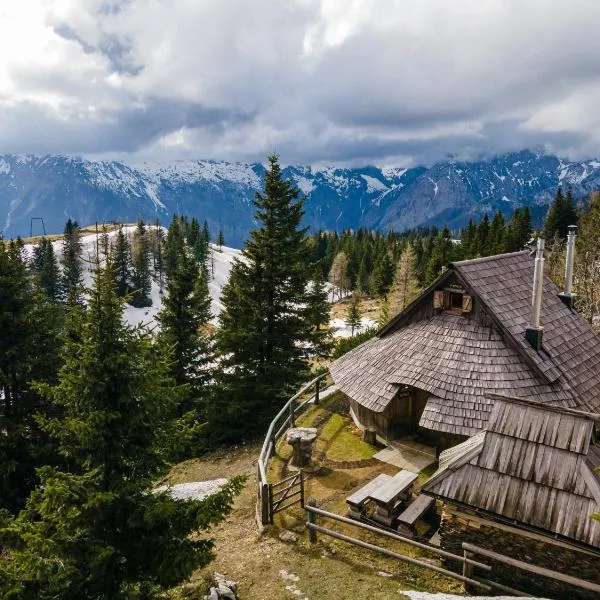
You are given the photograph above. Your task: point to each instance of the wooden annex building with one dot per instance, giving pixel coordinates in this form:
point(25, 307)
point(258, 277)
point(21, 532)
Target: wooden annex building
point(535, 467)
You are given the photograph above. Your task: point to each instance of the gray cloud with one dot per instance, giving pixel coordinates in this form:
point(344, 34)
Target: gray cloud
point(118, 51)
point(316, 80)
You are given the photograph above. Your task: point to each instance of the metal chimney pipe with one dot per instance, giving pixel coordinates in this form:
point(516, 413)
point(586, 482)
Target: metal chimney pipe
point(570, 260)
point(538, 282)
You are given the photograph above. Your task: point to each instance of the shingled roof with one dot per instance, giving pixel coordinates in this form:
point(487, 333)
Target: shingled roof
point(533, 464)
point(458, 359)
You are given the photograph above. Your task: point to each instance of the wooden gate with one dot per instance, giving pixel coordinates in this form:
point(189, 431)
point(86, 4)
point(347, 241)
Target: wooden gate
point(286, 493)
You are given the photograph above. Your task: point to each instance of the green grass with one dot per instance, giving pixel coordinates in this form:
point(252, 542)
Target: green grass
point(344, 442)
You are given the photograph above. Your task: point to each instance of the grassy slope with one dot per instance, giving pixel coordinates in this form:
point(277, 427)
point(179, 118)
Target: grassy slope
point(330, 569)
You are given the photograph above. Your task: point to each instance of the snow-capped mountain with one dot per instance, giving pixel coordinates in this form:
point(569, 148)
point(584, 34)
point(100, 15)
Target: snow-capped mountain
point(57, 187)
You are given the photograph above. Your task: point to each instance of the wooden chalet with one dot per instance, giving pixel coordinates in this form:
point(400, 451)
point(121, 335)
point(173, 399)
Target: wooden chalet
point(469, 334)
point(527, 485)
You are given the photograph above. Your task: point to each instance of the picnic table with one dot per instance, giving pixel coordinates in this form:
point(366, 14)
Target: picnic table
point(356, 502)
point(390, 496)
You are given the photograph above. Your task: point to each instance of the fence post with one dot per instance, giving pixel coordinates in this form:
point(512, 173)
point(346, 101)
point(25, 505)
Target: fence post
point(265, 500)
point(317, 390)
point(312, 535)
point(292, 420)
point(467, 570)
point(301, 488)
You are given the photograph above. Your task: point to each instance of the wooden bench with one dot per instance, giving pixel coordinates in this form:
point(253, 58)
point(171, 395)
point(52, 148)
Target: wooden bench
point(357, 501)
point(407, 519)
point(390, 496)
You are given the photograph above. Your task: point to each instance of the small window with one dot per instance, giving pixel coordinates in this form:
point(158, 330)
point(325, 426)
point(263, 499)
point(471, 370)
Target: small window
point(456, 301)
point(453, 299)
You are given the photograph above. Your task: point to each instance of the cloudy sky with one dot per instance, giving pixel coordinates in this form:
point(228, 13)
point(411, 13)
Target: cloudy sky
point(318, 81)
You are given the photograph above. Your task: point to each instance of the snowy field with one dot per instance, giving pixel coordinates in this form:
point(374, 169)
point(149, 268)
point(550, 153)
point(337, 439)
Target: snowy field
point(223, 259)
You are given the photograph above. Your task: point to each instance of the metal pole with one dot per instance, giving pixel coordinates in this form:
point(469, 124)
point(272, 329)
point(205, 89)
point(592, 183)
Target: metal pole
point(538, 282)
point(570, 260)
point(312, 519)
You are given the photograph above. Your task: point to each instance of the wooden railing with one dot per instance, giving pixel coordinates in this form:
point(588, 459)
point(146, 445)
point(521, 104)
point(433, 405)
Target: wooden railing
point(312, 512)
point(471, 550)
point(285, 418)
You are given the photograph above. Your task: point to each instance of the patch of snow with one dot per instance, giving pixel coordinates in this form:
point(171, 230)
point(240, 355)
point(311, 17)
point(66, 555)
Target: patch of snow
point(191, 171)
point(505, 199)
point(222, 260)
point(516, 164)
point(435, 186)
point(4, 167)
point(305, 185)
point(198, 490)
point(391, 172)
point(341, 330)
point(374, 185)
point(594, 164)
point(500, 177)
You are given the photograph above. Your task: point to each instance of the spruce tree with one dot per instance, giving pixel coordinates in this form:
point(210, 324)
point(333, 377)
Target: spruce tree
point(318, 312)
point(383, 275)
point(353, 316)
point(29, 342)
point(45, 265)
point(441, 255)
point(72, 277)
point(560, 215)
point(122, 263)
point(482, 241)
point(183, 320)
point(220, 240)
point(264, 333)
point(141, 282)
point(96, 530)
point(497, 236)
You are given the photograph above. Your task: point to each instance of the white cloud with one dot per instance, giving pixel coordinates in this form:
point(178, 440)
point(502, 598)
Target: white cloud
point(316, 80)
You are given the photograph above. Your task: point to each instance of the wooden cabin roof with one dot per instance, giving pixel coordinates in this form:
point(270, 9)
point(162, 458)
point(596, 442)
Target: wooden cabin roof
point(533, 464)
point(458, 359)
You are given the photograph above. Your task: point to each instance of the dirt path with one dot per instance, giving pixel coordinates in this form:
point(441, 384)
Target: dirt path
point(268, 569)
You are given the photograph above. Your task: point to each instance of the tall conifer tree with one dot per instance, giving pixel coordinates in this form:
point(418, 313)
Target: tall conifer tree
point(183, 320)
point(264, 331)
point(140, 277)
point(72, 277)
point(96, 530)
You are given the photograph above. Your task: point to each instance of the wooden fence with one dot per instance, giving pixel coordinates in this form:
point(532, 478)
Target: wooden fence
point(313, 512)
point(469, 564)
point(285, 418)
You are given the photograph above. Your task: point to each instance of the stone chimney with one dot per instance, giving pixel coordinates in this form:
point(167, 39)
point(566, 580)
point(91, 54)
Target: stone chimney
point(567, 295)
point(534, 333)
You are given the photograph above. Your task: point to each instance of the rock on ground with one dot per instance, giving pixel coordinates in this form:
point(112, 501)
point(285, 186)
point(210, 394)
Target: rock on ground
point(198, 490)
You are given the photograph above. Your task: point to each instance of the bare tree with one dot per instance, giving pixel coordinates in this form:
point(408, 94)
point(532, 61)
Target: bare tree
point(406, 285)
point(338, 275)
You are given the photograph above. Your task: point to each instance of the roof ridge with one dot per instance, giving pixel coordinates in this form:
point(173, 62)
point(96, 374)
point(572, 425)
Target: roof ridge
point(551, 408)
point(482, 259)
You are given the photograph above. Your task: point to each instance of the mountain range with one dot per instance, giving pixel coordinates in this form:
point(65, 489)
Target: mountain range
point(56, 187)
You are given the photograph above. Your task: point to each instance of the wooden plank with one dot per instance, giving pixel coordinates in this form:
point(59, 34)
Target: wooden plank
point(416, 509)
point(513, 562)
point(360, 496)
point(399, 483)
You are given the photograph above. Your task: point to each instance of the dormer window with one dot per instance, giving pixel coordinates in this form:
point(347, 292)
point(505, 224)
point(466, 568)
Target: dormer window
point(454, 299)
